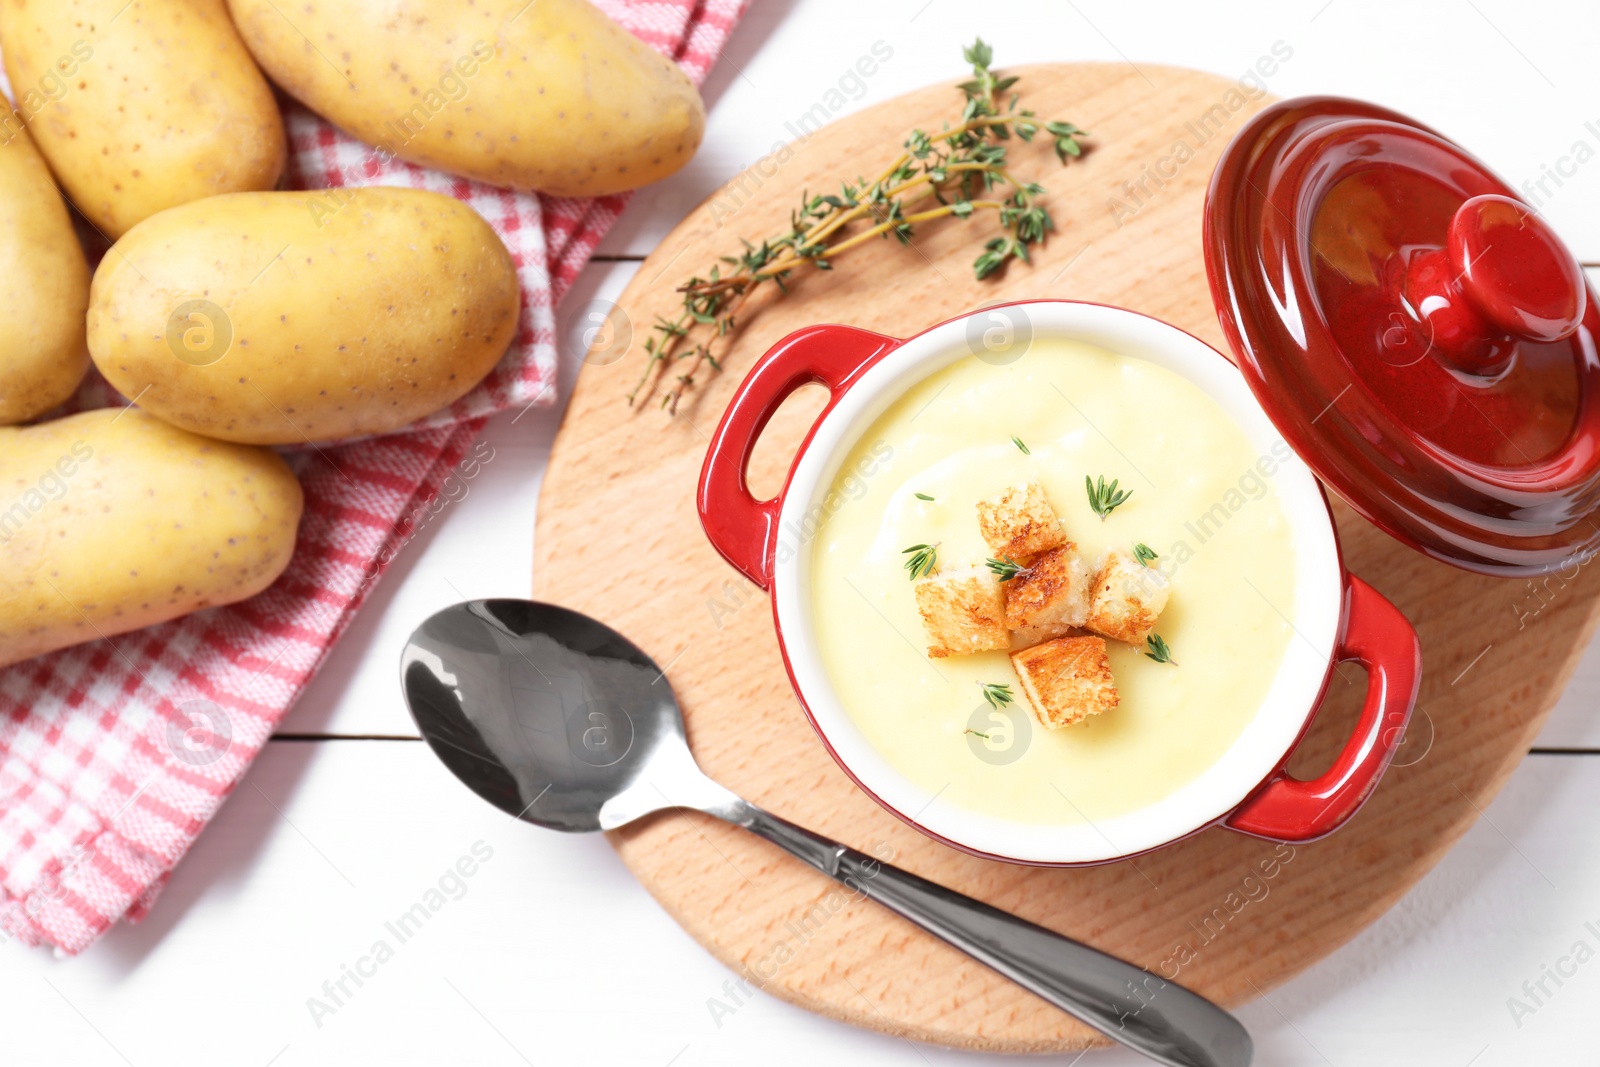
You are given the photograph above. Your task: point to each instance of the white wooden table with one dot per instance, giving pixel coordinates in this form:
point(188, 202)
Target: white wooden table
point(550, 953)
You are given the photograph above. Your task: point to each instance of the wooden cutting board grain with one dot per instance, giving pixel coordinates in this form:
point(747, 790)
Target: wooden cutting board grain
point(1228, 915)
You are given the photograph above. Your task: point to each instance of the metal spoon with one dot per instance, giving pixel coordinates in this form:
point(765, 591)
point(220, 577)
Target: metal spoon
point(563, 722)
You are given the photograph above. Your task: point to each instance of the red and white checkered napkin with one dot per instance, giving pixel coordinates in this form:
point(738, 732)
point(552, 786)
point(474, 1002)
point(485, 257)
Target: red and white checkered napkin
point(115, 754)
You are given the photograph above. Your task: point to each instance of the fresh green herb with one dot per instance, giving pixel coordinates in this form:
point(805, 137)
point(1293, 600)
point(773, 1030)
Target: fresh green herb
point(979, 733)
point(1103, 498)
point(997, 695)
point(922, 561)
point(923, 496)
point(963, 169)
point(1066, 135)
point(1018, 442)
point(1144, 554)
point(1158, 650)
point(1005, 569)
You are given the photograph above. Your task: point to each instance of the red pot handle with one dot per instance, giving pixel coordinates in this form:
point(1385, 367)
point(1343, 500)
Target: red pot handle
point(742, 528)
point(1382, 640)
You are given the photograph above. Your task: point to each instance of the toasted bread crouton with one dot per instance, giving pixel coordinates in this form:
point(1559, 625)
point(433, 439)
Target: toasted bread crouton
point(1127, 598)
point(1052, 592)
point(1018, 523)
point(1066, 680)
point(1029, 636)
point(963, 612)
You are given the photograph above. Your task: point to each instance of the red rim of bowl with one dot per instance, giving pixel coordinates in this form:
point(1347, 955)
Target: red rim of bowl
point(1275, 772)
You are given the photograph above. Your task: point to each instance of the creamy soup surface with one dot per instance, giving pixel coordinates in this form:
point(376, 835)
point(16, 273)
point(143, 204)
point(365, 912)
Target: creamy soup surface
point(1202, 498)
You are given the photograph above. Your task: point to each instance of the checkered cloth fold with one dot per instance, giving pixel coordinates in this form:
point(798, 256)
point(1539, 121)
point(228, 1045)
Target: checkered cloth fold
point(115, 754)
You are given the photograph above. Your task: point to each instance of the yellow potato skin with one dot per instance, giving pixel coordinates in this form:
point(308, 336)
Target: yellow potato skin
point(113, 520)
point(44, 286)
point(330, 314)
point(140, 110)
point(550, 95)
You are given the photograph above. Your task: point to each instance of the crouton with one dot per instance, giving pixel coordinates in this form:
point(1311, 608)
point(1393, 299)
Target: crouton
point(1127, 598)
point(1051, 593)
point(1066, 680)
point(963, 612)
point(1018, 523)
point(1029, 636)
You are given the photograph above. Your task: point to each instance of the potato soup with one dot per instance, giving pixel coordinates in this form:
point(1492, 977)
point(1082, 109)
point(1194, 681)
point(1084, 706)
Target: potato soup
point(1200, 504)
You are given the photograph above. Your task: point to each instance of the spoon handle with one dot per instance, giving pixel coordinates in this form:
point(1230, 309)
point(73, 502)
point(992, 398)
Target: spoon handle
point(1128, 1004)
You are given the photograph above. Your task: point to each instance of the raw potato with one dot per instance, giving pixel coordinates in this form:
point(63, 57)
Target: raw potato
point(44, 286)
point(112, 520)
point(548, 95)
point(282, 318)
point(141, 105)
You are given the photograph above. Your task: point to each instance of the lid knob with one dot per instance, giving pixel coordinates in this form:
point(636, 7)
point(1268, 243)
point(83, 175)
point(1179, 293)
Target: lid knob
point(1504, 275)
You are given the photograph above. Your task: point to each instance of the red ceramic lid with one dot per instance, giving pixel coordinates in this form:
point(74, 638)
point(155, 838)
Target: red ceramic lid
point(1420, 336)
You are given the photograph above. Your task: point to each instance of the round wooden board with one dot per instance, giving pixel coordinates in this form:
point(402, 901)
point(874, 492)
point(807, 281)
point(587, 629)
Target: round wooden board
point(618, 537)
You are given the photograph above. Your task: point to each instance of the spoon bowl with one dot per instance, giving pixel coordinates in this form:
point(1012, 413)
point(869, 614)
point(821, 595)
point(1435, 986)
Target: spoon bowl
point(548, 714)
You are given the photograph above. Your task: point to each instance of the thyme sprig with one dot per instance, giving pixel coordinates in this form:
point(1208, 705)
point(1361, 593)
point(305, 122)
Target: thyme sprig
point(962, 170)
point(923, 559)
point(1005, 569)
point(1158, 649)
point(1103, 498)
point(997, 694)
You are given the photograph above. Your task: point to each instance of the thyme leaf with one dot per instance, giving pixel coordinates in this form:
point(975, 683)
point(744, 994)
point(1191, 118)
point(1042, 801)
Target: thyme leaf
point(1103, 498)
point(923, 559)
point(1005, 569)
point(997, 694)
